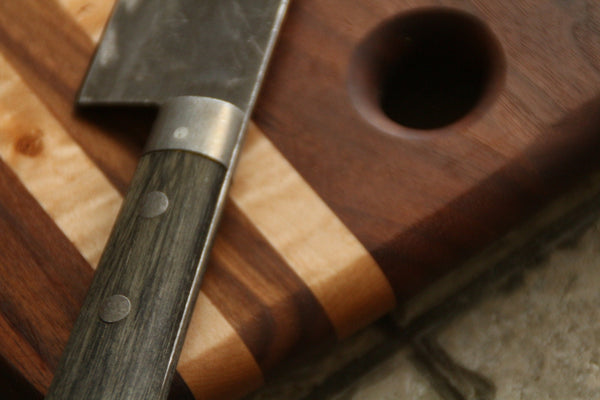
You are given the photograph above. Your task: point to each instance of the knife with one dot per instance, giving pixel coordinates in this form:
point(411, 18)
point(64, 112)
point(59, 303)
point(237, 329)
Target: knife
point(202, 63)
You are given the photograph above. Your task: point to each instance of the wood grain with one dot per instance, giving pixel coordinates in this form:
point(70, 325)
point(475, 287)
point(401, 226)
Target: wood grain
point(311, 239)
point(273, 323)
point(391, 214)
point(215, 362)
point(44, 280)
point(32, 140)
point(51, 53)
point(390, 190)
point(561, 158)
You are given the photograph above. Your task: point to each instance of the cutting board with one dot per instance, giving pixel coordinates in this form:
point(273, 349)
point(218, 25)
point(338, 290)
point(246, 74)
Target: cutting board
point(355, 189)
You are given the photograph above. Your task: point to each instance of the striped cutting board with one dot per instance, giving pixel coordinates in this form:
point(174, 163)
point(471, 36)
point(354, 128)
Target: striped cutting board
point(336, 214)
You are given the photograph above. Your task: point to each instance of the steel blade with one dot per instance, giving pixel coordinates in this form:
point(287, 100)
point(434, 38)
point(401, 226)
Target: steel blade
point(153, 50)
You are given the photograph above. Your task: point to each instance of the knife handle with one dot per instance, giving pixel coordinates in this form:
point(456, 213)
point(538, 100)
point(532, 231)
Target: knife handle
point(126, 341)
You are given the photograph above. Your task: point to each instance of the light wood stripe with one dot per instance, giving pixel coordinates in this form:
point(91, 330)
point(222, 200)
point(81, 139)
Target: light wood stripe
point(51, 52)
point(53, 167)
point(309, 236)
point(269, 306)
point(215, 363)
point(90, 15)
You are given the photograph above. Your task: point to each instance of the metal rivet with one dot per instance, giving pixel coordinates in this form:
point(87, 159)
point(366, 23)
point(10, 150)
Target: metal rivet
point(154, 204)
point(181, 132)
point(115, 308)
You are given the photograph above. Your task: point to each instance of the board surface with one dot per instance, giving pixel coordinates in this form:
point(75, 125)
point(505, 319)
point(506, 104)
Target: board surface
point(331, 222)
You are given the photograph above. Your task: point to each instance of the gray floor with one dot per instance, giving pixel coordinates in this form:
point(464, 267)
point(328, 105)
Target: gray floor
point(519, 321)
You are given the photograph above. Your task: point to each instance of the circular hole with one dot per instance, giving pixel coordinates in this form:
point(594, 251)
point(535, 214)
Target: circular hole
point(425, 70)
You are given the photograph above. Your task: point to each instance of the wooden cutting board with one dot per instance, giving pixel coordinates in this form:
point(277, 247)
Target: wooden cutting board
point(336, 214)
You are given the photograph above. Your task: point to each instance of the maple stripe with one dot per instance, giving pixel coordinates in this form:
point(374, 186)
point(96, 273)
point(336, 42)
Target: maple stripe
point(271, 308)
point(309, 237)
point(91, 16)
point(53, 167)
point(51, 54)
point(215, 363)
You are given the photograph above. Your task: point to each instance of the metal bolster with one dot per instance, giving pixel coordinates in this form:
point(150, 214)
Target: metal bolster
point(200, 125)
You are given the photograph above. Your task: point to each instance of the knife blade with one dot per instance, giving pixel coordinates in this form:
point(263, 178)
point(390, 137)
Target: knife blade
point(202, 62)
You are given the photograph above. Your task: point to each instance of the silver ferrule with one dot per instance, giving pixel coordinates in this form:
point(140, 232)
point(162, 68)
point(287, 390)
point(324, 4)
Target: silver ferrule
point(202, 125)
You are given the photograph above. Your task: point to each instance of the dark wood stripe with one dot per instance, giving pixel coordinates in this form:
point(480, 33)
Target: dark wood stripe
point(13, 384)
point(43, 282)
point(559, 159)
point(179, 389)
point(24, 357)
point(51, 52)
point(268, 305)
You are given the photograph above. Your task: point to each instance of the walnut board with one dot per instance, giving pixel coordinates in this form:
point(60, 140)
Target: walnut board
point(330, 222)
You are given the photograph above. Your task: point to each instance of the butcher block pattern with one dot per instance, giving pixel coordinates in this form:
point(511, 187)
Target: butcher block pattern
point(330, 222)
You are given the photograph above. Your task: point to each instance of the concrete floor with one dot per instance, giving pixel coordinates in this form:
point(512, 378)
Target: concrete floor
point(519, 321)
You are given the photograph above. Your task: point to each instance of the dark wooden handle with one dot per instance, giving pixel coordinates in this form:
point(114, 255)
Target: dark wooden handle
point(126, 340)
